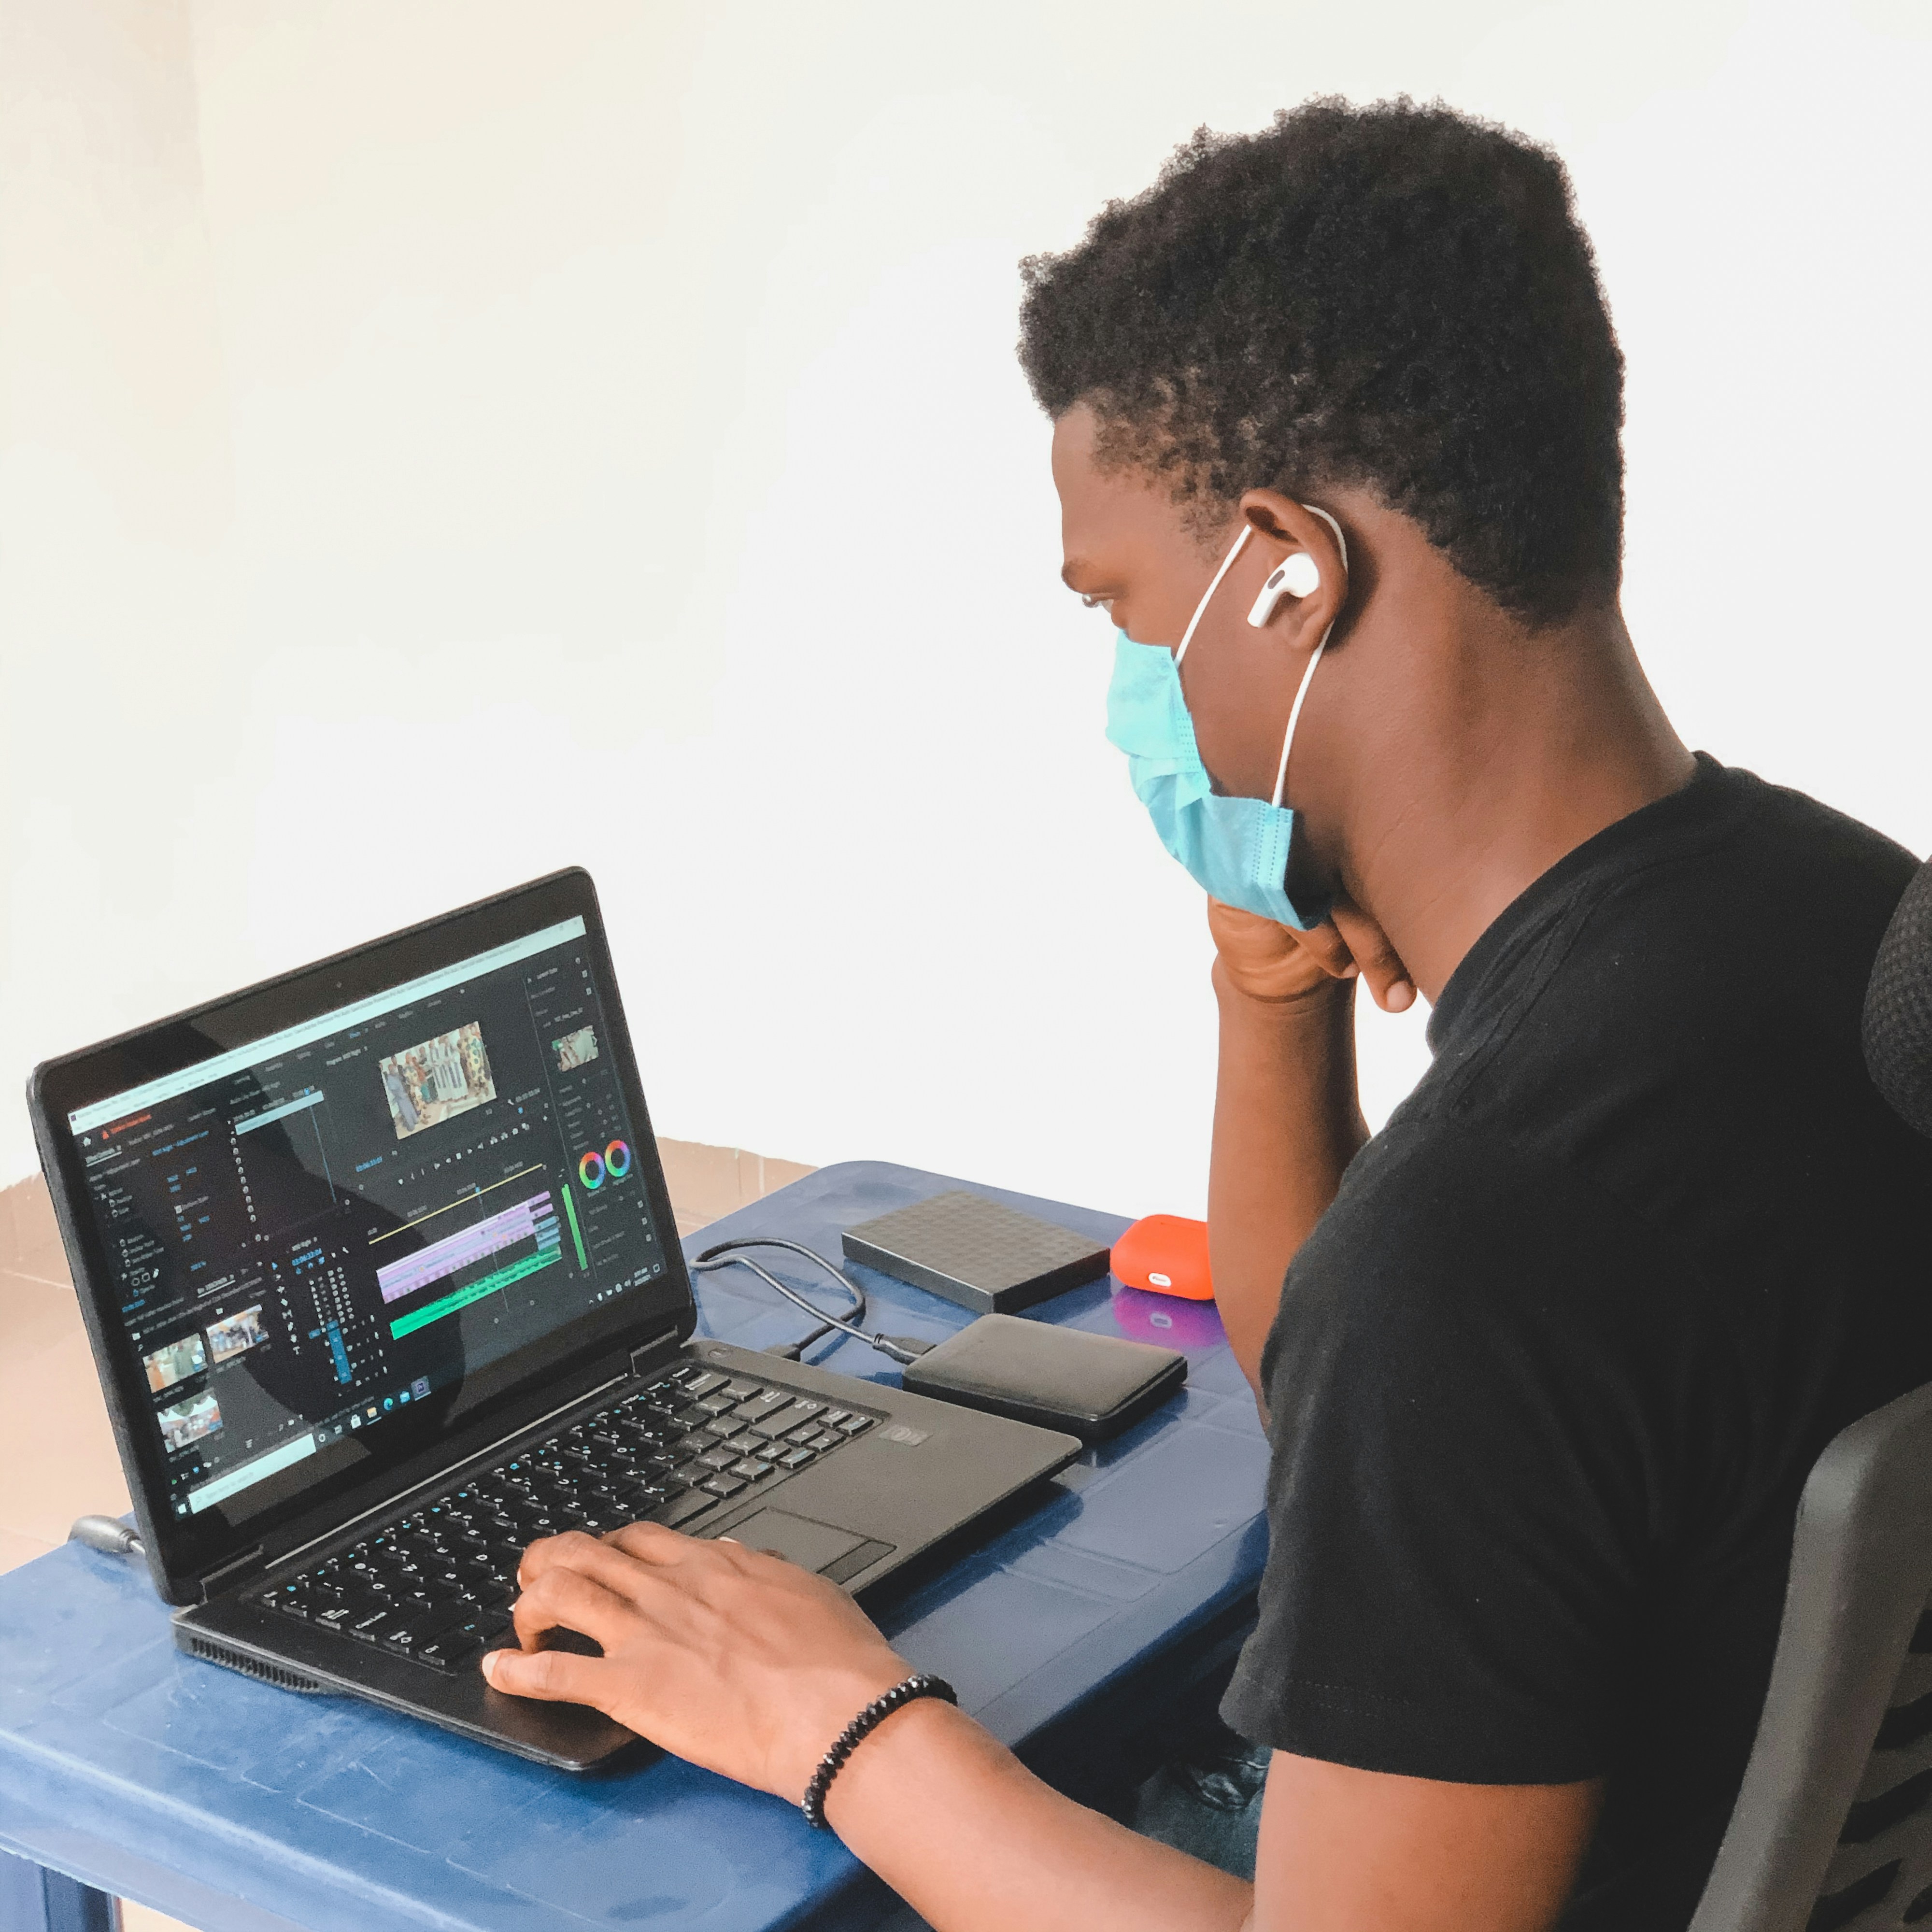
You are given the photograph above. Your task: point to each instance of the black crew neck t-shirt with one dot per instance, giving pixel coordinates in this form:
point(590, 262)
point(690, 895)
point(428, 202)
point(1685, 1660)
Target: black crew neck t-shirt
point(1549, 1375)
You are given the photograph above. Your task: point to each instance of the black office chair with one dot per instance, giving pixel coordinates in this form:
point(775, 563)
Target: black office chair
point(1832, 1832)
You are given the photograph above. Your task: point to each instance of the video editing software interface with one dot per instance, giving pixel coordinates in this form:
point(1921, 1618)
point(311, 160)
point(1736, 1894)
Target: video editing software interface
point(325, 1232)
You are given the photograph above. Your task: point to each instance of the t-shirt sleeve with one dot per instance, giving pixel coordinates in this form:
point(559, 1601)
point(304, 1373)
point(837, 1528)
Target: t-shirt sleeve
point(1463, 1494)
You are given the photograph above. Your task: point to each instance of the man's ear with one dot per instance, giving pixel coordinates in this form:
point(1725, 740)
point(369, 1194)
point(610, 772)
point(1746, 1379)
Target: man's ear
point(1289, 606)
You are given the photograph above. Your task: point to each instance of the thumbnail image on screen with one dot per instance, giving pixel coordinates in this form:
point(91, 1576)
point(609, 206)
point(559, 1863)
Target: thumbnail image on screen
point(437, 1080)
point(189, 1421)
point(575, 1049)
point(179, 1360)
point(236, 1334)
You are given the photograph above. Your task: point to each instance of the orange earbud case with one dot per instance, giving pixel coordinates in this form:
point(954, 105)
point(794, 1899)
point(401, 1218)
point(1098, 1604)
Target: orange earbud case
point(1166, 1254)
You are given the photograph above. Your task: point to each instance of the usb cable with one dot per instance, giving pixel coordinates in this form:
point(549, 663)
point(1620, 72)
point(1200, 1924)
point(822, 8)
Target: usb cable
point(902, 1348)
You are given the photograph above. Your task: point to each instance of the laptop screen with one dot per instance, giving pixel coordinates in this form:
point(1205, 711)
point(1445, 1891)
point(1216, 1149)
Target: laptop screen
point(319, 1239)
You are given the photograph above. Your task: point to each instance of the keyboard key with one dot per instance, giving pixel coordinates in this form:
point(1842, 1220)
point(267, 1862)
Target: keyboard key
point(809, 1432)
point(759, 1406)
point(833, 1417)
point(738, 1391)
point(717, 1404)
point(682, 1509)
point(721, 1485)
point(716, 1459)
point(855, 1425)
point(447, 1653)
point(751, 1469)
point(796, 1458)
point(703, 1384)
point(465, 1638)
point(804, 1411)
point(340, 1617)
point(826, 1439)
point(377, 1625)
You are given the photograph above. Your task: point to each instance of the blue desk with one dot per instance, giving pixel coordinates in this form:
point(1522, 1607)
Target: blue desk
point(128, 1768)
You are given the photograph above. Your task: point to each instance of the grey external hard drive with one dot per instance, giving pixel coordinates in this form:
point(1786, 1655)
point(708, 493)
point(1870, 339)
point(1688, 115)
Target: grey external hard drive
point(990, 1258)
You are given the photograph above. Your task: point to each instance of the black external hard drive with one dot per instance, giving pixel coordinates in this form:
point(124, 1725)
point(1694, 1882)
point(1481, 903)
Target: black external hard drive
point(1092, 1386)
point(990, 1259)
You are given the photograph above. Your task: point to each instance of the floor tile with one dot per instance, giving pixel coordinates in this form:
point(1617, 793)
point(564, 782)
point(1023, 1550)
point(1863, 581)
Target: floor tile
point(18, 1549)
point(707, 1183)
point(56, 1445)
point(30, 1243)
point(144, 1919)
point(34, 1315)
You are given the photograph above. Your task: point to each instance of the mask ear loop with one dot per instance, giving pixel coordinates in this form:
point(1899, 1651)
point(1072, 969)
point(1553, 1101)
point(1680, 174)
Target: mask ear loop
point(1315, 656)
point(1207, 596)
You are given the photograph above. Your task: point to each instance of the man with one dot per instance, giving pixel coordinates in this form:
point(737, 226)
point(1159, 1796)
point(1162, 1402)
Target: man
point(1337, 415)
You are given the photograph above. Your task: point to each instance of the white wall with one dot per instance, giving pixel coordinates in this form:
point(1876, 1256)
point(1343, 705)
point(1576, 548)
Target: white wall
point(448, 438)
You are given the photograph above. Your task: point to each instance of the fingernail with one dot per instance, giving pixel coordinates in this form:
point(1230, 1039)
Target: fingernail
point(1401, 997)
point(490, 1666)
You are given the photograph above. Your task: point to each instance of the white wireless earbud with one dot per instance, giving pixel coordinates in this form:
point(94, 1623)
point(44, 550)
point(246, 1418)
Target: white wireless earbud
point(1295, 576)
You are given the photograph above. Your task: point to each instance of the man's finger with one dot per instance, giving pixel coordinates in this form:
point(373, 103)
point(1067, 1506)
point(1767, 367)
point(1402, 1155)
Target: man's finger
point(594, 1556)
point(1328, 948)
point(563, 1599)
point(1382, 967)
point(651, 1542)
point(554, 1676)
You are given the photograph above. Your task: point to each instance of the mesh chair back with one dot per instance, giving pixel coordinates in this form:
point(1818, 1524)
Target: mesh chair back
point(1833, 1827)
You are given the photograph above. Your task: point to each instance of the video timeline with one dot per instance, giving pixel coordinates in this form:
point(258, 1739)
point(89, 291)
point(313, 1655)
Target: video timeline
point(533, 1219)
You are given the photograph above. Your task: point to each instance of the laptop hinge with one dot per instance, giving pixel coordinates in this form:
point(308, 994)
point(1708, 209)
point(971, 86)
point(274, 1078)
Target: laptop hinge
point(647, 1355)
point(216, 1581)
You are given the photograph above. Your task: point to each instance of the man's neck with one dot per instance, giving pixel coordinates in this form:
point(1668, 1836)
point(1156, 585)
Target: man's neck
point(1524, 748)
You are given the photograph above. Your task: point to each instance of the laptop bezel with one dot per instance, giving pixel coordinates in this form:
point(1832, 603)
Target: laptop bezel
point(186, 1555)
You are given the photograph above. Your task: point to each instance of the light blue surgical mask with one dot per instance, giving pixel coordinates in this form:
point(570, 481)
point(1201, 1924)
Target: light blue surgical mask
point(1236, 849)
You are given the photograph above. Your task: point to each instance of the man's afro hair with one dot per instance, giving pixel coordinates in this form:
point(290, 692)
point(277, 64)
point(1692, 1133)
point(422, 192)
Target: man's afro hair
point(1392, 297)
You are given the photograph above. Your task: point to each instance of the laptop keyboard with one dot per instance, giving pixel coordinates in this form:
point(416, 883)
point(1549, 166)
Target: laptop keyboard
point(435, 1585)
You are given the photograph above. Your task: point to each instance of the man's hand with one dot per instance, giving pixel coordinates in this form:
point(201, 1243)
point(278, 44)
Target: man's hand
point(738, 1661)
point(742, 1663)
point(1276, 963)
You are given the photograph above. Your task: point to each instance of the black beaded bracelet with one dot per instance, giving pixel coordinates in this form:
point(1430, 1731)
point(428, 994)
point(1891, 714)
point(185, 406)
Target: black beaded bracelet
point(920, 1684)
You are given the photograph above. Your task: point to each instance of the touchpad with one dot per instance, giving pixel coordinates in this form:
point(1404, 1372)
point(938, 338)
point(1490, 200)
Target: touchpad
point(811, 1546)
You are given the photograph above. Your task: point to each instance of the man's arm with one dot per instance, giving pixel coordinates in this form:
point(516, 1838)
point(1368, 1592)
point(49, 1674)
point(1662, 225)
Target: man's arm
point(1287, 1120)
point(1341, 1850)
point(743, 1663)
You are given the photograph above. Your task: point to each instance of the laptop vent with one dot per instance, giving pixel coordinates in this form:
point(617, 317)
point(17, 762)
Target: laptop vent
point(252, 1667)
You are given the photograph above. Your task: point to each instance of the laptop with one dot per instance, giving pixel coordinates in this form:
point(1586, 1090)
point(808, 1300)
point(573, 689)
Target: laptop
point(382, 1284)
